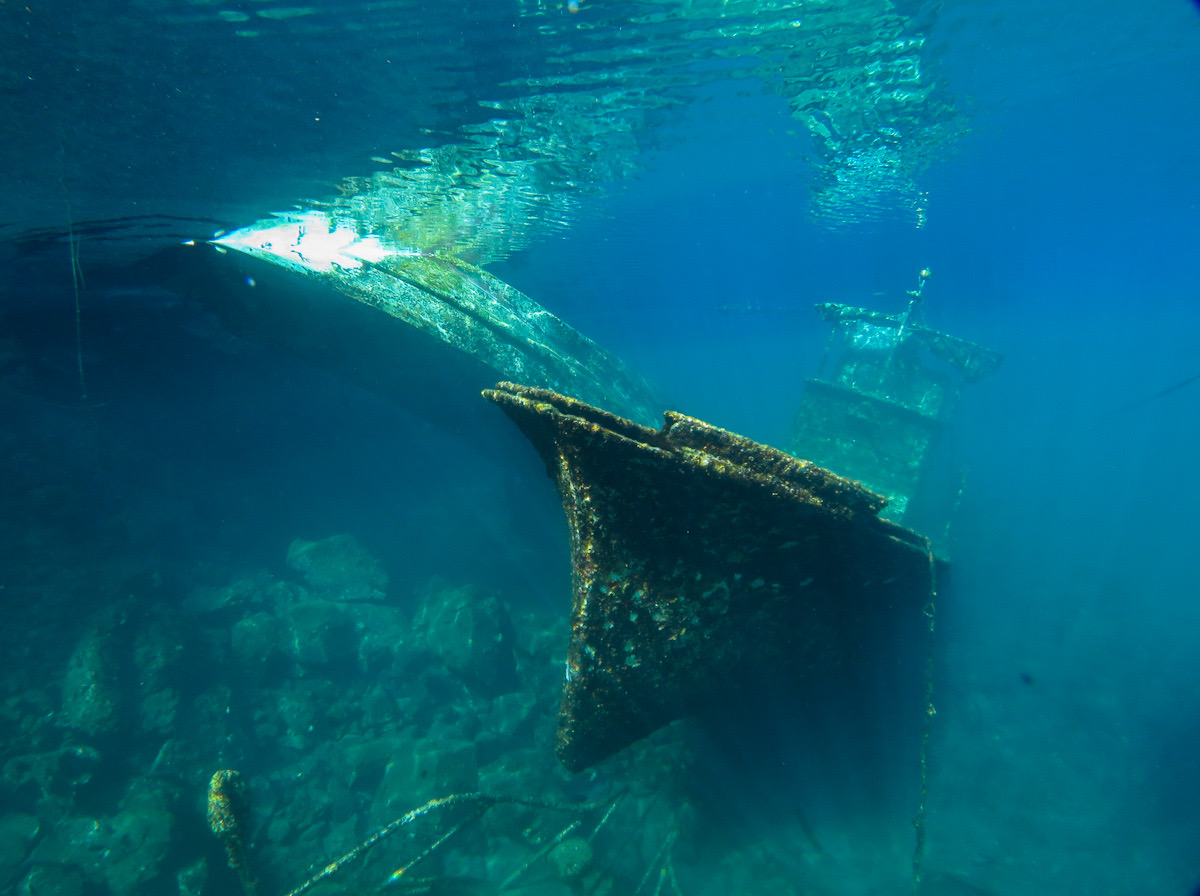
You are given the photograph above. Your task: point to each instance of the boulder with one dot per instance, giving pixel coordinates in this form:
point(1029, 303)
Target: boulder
point(259, 644)
point(228, 601)
point(472, 633)
point(320, 635)
point(91, 698)
point(140, 835)
point(52, 880)
point(56, 774)
point(17, 830)
point(338, 568)
point(121, 852)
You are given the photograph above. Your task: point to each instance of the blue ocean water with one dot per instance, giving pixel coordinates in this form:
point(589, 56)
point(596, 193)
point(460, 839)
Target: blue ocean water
point(681, 182)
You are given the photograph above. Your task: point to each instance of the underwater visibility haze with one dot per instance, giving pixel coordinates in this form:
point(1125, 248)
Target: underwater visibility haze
point(290, 606)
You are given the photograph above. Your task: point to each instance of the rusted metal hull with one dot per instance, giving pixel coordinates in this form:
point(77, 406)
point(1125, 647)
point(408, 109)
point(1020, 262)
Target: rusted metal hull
point(703, 562)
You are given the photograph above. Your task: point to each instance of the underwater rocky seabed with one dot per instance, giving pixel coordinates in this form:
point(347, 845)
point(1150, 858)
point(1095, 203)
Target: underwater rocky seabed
point(345, 694)
point(342, 711)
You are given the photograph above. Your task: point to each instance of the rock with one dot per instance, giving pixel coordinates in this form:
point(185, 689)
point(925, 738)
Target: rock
point(140, 835)
point(510, 713)
point(540, 649)
point(384, 636)
point(17, 830)
point(158, 659)
point(472, 634)
point(525, 770)
point(466, 885)
point(278, 594)
point(158, 651)
point(571, 858)
point(341, 837)
point(230, 600)
point(367, 762)
point(126, 668)
point(320, 635)
point(420, 770)
point(190, 880)
point(57, 774)
point(121, 852)
point(52, 880)
point(259, 645)
point(78, 842)
point(511, 719)
point(445, 766)
point(396, 793)
point(279, 831)
point(158, 710)
point(91, 700)
point(338, 568)
point(379, 710)
point(295, 708)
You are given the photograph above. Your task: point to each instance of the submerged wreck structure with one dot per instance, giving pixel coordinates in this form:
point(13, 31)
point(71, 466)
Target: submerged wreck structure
point(878, 409)
point(703, 562)
point(708, 569)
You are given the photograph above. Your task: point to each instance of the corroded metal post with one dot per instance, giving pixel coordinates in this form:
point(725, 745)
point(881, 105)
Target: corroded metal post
point(228, 796)
point(702, 562)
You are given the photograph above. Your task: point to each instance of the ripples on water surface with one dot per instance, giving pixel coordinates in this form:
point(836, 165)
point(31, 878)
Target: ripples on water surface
point(471, 126)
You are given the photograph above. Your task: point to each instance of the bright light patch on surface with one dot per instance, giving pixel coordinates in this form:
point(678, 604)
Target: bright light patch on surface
point(311, 241)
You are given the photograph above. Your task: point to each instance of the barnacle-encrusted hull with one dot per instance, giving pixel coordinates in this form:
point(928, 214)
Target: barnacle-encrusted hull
point(703, 562)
